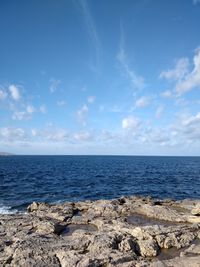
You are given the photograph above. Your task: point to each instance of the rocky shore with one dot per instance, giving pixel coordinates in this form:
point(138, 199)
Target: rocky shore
point(129, 231)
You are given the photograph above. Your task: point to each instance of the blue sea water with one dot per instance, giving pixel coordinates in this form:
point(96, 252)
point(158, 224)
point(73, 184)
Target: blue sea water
point(24, 179)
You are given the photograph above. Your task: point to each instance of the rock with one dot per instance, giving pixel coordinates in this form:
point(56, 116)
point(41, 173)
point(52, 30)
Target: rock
point(68, 258)
point(196, 210)
point(128, 244)
point(104, 242)
point(148, 248)
point(37, 206)
point(49, 227)
point(37, 239)
point(160, 212)
point(193, 250)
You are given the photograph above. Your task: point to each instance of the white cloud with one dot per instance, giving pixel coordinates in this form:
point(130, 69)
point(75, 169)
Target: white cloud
point(25, 114)
point(106, 135)
point(30, 109)
point(34, 132)
point(136, 80)
point(3, 94)
point(43, 109)
point(82, 114)
point(159, 136)
point(20, 115)
point(142, 102)
point(56, 135)
point(91, 99)
point(159, 111)
point(9, 134)
point(167, 94)
point(83, 136)
point(187, 128)
point(180, 70)
point(191, 120)
point(192, 79)
point(14, 91)
point(185, 80)
point(61, 103)
point(50, 134)
point(130, 123)
point(54, 85)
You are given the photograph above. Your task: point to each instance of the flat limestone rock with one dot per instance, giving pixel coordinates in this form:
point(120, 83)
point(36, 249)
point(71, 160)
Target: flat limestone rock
point(125, 232)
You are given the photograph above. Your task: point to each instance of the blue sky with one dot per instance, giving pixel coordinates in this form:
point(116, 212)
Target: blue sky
point(100, 77)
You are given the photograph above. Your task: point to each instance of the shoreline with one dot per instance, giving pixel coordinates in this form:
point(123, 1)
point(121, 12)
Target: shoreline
point(128, 231)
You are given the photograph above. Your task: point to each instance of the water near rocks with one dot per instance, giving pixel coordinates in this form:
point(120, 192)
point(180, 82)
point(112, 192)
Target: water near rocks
point(54, 179)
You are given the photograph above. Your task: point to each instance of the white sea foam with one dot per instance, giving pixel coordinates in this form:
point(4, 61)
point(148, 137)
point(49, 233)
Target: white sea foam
point(7, 210)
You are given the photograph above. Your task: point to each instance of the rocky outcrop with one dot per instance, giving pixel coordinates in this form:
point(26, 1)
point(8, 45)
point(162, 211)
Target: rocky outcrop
point(125, 232)
point(196, 210)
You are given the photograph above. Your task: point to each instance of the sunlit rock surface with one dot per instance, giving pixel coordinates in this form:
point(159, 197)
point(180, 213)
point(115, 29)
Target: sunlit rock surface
point(130, 231)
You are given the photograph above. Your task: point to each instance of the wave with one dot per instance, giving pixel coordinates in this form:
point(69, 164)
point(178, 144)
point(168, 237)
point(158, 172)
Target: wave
point(7, 210)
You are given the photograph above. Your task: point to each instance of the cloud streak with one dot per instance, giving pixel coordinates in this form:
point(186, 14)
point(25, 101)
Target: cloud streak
point(135, 80)
point(92, 33)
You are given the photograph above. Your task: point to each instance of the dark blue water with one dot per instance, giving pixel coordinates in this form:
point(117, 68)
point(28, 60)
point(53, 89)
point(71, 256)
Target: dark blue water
point(24, 179)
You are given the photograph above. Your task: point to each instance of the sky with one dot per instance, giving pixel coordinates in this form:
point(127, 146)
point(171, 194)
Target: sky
point(117, 77)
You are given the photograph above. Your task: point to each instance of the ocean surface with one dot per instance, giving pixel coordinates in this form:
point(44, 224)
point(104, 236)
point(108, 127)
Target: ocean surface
point(54, 179)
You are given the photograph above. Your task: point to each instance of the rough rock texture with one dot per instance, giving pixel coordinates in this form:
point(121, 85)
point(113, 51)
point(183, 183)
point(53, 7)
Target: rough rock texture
point(126, 232)
point(196, 210)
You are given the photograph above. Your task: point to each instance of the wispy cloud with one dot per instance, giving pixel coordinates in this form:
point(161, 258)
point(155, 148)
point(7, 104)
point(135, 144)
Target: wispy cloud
point(167, 94)
point(9, 134)
point(115, 109)
point(159, 111)
point(30, 109)
point(187, 127)
point(14, 92)
point(184, 79)
point(142, 102)
point(43, 109)
point(83, 136)
point(91, 99)
point(3, 94)
point(27, 112)
point(192, 79)
point(56, 135)
point(131, 123)
point(93, 35)
point(195, 2)
point(180, 70)
point(61, 103)
point(81, 114)
point(136, 80)
point(54, 85)
point(20, 115)
point(50, 134)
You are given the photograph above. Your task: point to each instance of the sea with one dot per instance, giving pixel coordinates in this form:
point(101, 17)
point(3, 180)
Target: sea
point(56, 179)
